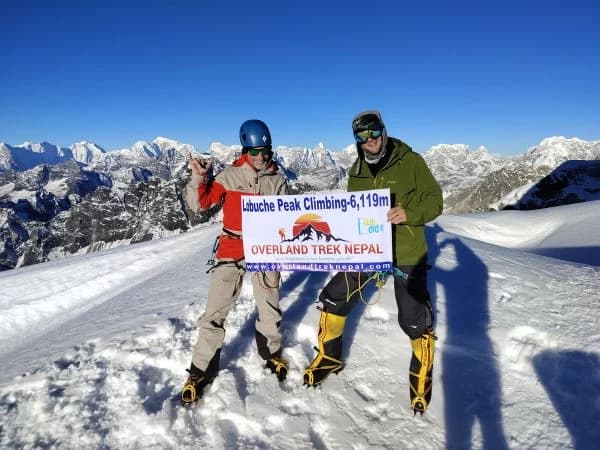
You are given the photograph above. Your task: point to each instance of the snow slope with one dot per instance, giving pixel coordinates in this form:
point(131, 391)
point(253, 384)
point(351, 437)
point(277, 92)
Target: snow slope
point(93, 349)
point(570, 232)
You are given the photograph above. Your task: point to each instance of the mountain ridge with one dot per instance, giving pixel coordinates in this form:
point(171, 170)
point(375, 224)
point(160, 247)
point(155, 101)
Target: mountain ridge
point(55, 201)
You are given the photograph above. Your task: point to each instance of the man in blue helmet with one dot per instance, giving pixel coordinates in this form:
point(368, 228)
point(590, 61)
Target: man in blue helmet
point(386, 162)
point(253, 173)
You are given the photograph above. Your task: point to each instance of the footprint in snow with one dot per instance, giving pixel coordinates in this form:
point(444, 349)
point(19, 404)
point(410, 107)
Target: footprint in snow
point(523, 343)
point(365, 392)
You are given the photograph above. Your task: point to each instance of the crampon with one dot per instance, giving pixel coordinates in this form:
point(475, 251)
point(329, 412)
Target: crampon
point(279, 367)
point(194, 388)
point(320, 368)
point(420, 372)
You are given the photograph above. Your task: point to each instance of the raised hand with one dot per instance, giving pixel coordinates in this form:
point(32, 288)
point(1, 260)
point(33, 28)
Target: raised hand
point(199, 165)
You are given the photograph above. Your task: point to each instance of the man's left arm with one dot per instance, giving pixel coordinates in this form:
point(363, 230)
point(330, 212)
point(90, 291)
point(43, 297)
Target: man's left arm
point(430, 202)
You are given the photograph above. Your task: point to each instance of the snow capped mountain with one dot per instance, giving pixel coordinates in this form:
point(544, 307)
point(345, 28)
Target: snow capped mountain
point(166, 144)
point(307, 169)
point(147, 149)
point(224, 153)
point(5, 156)
point(571, 182)
point(86, 152)
point(124, 196)
point(476, 180)
point(456, 165)
point(56, 201)
point(45, 147)
point(553, 151)
point(29, 155)
point(346, 156)
point(313, 159)
point(456, 156)
point(142, 152)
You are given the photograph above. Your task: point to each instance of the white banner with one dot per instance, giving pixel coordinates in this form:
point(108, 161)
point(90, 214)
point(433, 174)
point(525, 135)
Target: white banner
point(340, 231)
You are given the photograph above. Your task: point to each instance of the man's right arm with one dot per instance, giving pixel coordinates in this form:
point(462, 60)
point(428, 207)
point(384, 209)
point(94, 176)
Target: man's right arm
point(190, 193)
point(199, 193)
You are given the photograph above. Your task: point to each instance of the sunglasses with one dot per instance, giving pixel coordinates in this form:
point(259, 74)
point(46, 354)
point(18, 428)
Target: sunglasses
point(255, 151)
point(362, 136)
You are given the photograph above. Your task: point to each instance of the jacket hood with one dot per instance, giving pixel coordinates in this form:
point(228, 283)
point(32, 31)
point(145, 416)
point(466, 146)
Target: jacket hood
point(362, 120)
point(395, 147)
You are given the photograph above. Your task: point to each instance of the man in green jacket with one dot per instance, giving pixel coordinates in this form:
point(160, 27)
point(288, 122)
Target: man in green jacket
point(386, 162)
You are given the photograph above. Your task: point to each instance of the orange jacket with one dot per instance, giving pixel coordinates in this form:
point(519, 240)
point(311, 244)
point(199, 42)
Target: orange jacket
point(241, 178)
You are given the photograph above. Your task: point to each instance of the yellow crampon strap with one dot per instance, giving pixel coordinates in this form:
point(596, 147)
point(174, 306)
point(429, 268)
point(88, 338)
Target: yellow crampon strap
point(423, 350)
point(279, 367)
point(278, 364)
point(309, 373)
point(331, 328)
point(418, 403)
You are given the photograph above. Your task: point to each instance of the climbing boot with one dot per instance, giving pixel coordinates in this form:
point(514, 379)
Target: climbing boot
point(278, 366)
point(420, 371)
point(329, 356)
point(194, 385)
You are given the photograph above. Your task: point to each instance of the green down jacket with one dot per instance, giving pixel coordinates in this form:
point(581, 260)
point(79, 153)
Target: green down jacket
point(413, 187)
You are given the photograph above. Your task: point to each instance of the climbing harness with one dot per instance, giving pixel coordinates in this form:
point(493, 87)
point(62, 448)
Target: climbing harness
point(214, 263)
point(211, 260)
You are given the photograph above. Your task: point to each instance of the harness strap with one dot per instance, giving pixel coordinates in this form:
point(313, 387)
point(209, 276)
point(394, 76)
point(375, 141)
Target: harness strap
point(211, 262)
point(231, 234)
point(398, 273)
point(235, 262)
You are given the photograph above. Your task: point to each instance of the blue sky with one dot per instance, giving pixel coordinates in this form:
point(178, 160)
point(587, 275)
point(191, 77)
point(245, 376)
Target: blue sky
point(504, 75)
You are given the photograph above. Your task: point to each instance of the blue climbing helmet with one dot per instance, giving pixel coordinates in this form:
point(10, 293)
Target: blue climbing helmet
point(254, 133)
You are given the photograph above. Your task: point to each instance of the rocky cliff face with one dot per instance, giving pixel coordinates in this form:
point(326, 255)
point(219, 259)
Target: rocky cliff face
point(55, 202)
point(571, 182)
point(475, 180)
point(49, 211)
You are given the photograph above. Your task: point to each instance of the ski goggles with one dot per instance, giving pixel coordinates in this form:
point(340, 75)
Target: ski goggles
point(362, 136)
point(255, 151)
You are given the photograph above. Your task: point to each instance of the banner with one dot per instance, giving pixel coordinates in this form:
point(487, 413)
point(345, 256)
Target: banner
point(340, 231)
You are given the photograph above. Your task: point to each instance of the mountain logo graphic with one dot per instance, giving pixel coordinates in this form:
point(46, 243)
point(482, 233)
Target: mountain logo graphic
point(310, 227)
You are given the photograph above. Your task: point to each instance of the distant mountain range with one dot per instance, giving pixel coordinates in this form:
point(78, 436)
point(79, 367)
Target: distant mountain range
point(56, 201)
point(477, 180)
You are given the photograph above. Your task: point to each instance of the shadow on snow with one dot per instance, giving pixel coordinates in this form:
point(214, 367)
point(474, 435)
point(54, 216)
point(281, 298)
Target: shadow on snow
point(572, 381)
point(470, 377)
